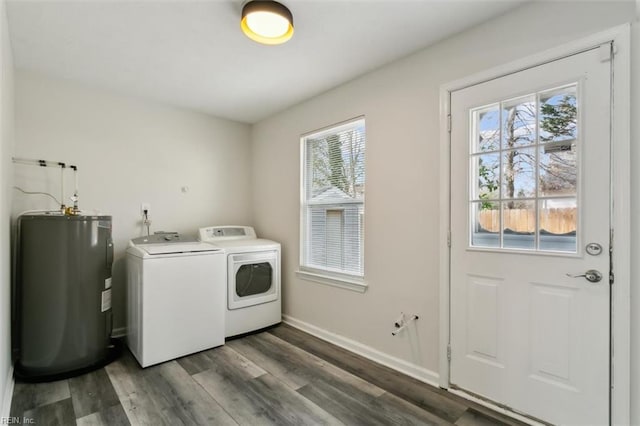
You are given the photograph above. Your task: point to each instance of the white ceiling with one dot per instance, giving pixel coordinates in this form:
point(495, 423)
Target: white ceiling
point(192, 54)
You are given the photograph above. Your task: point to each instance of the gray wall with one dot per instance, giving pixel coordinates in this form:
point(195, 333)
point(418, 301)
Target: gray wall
point(6, 177)
point(130, 151)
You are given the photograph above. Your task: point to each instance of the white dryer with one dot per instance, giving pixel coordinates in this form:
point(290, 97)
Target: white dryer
point(253, 277)
point(176, 290)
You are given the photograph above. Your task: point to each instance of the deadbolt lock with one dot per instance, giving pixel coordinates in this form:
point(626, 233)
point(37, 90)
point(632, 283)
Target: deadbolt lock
point(594, 249)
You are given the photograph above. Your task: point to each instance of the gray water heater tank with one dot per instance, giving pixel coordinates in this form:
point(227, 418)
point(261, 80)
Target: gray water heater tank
point(62, 295)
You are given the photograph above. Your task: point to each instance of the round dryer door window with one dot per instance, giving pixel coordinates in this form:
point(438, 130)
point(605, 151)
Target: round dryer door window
point(254, 278)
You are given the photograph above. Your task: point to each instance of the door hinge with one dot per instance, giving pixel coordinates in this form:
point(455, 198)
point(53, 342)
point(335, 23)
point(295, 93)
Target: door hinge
point(449, 123)
point(449, 352)
point(611, 278)
point(449, 238)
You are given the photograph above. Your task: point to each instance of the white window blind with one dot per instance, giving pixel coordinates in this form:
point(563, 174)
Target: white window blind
point(333, 182)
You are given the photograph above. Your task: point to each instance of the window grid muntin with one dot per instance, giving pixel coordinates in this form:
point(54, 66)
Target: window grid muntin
point(476, 152)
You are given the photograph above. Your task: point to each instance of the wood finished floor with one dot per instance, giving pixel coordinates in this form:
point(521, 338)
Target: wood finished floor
point(282, 376)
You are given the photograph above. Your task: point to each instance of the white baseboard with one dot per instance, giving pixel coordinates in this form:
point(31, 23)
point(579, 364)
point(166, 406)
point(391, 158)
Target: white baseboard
point(8, 395)
point(410, 369)
point(119, 332)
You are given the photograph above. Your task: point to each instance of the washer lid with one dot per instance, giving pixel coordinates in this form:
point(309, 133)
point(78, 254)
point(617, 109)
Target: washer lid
point(153, 249)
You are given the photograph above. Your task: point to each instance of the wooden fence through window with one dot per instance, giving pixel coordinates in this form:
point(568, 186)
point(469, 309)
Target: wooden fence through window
point(556, 221)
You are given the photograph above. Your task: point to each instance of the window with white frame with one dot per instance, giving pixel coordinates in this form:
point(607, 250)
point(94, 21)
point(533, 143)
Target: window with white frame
point(332, 210)
point(524, 170)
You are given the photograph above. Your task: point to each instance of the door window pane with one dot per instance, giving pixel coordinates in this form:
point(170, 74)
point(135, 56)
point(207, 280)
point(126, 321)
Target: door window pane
point(519, 173)
point(519, 122)
point(487, 129)
point(558, 169)
point(485, 227)
point(519, 224)
point(558, 114)
point(558, 224)
point(487, 173)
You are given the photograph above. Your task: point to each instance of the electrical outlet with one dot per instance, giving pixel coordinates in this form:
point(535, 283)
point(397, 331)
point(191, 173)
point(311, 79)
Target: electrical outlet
point(147, 207)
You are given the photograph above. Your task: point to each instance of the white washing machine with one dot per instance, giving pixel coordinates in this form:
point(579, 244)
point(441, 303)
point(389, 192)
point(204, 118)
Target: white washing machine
point(253, 277)
point(176, 290)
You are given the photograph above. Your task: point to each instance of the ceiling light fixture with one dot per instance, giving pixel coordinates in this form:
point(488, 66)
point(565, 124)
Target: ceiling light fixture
point(267, 22)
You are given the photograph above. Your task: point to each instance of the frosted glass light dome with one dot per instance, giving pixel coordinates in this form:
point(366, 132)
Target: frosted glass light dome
point(267, 22)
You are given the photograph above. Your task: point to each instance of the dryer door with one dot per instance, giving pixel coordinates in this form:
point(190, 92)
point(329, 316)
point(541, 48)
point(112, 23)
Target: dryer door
point(254, 278)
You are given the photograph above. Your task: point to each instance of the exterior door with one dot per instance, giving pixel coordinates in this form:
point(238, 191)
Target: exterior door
point(530, 207)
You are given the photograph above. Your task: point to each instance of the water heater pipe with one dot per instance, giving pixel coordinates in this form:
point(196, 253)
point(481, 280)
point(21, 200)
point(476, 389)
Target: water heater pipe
point(63, 166)
point(76, 209)
point(62, 206)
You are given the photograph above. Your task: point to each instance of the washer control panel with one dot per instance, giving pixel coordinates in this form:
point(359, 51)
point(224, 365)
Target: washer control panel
point(220, 233)
point(164, 238)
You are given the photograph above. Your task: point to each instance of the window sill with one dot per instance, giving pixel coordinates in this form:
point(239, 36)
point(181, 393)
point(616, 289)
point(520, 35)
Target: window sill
point(357, 285)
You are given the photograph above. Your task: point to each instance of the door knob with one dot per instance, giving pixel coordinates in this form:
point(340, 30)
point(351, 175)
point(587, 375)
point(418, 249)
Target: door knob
point(591, 275)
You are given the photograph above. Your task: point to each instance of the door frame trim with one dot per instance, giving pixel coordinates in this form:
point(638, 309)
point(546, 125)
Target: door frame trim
point(620, 221)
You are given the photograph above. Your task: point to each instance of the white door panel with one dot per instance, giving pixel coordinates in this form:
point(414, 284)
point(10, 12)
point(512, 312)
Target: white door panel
point(530, 188)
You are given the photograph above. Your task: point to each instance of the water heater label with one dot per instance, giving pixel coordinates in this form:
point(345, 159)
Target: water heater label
point(106, 300)
point(107, 283)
